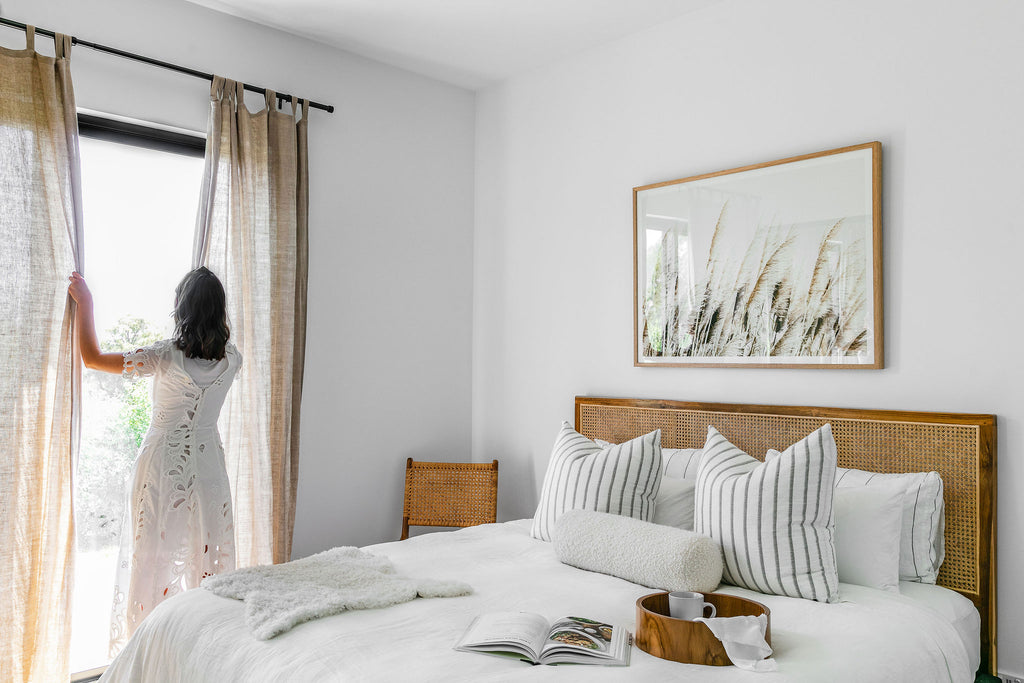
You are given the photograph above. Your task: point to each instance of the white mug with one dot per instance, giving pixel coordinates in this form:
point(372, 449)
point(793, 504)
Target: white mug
point(688, 605)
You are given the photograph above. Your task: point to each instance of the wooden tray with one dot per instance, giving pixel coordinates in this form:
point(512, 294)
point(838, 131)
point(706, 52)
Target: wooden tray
point(690, 642)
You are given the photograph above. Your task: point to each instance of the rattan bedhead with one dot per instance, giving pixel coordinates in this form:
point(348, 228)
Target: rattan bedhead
point(960, 447)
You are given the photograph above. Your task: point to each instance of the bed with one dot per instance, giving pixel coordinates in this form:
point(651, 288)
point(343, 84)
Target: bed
point(924, 632)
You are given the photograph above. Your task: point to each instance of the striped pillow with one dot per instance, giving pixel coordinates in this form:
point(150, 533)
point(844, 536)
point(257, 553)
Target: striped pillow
point(620, 479)
point(773, 520)
point(680, 463)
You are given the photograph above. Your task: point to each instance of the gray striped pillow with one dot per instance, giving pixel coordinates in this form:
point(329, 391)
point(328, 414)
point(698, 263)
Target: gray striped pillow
point(773, 520)
point(620, 479)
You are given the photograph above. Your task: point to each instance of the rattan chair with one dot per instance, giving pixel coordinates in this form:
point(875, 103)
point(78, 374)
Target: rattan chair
point(452, 494)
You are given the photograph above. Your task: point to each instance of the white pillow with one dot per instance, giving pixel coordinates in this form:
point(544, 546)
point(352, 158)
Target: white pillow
point(674, 504)
point(681, 463)
point(621, 479)
point(868, 522)
point(773, 519)
point(648, 554)
point(922, 542)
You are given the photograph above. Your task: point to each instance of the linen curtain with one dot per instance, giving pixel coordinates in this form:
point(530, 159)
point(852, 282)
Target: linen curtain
point(251, 230)
point(40, 375)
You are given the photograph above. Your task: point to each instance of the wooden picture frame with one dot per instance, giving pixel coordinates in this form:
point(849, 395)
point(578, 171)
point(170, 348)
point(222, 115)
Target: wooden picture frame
point(773, 265)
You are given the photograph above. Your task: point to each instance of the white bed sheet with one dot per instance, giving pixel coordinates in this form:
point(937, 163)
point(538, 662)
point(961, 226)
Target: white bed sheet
point(954, 608)
point(198, 636)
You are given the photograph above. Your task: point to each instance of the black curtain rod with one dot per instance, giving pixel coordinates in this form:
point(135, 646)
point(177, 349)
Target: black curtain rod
point(329, 108)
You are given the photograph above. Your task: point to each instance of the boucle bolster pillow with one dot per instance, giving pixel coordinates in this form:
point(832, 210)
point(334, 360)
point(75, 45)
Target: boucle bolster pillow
point(649, 554)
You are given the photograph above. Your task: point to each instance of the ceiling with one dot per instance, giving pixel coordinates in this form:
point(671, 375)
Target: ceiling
point(470, 43)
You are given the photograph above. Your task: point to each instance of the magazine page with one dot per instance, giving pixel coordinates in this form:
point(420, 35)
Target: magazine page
point(518, 632)
point(578, 639)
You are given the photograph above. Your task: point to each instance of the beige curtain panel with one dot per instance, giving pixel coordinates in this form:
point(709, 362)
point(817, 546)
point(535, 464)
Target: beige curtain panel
point(40, 244)
point(251, 230)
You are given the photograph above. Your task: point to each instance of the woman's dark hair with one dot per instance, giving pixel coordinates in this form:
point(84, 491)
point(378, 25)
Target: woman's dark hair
point(200, 315)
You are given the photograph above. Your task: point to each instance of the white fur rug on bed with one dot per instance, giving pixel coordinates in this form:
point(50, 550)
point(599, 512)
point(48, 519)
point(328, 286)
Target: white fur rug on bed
point(277, 597)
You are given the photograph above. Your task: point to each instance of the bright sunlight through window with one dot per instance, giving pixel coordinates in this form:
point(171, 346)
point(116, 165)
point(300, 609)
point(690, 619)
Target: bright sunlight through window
point(139, 209)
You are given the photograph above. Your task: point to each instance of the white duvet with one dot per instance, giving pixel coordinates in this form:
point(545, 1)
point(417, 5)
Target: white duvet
point(199, 637)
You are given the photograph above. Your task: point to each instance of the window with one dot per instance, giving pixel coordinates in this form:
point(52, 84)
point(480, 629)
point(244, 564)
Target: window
point(669, 267)
point(140, 192)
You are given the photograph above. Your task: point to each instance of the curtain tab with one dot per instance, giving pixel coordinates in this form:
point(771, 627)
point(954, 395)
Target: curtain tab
point(271, 100)
point(62, 46)
point(30, 37)
point(217, 88)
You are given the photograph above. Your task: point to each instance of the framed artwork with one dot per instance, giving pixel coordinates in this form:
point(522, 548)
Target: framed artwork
point(775, 265)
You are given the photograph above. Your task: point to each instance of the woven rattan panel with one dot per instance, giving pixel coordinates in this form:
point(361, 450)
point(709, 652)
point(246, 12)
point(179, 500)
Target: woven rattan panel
point(874, 445)
point(451, 494)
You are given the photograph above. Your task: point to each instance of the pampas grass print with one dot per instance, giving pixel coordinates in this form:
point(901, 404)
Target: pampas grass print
point(765, 302)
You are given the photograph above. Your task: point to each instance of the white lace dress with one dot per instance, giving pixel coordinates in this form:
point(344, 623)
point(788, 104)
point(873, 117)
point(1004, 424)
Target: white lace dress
point(179, 528)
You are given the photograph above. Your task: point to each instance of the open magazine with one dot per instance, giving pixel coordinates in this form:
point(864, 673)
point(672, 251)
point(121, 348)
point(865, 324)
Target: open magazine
point(530, 637)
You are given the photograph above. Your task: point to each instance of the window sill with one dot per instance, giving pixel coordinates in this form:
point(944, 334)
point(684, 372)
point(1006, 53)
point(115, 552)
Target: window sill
point(88, 675)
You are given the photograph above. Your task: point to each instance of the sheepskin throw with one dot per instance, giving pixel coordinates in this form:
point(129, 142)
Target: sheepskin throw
point(277, 597)
point(649, 554)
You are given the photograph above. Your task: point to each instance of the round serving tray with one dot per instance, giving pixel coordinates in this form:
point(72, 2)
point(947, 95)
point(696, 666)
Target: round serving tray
point(690, 642)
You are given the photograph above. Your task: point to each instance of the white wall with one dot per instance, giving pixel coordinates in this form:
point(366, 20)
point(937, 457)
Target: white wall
point(557, 153)
point(559, 149)
point(391, 210)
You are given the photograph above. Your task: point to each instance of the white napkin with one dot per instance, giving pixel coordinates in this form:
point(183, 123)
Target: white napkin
point(743, 640)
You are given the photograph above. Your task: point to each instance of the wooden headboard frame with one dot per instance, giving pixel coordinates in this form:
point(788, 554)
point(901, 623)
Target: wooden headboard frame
point(960, 447)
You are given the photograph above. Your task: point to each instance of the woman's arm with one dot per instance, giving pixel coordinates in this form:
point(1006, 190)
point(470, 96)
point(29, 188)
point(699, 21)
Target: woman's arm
point(92, 357)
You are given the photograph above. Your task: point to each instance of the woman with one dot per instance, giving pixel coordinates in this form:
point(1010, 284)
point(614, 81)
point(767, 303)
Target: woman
point(180, 525)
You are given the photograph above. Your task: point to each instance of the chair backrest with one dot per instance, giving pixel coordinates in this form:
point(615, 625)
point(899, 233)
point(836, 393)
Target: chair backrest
point(456, 494)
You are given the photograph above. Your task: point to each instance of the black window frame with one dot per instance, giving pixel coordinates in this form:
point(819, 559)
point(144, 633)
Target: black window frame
point(139, 135)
